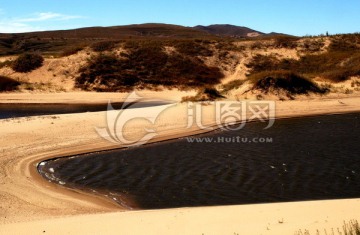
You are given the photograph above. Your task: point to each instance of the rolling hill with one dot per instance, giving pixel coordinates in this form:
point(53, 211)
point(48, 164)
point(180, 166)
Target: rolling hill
point(51, 42)
point(229, 30)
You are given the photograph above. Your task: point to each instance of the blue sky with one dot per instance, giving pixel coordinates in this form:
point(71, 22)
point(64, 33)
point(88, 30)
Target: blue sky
point(297, 17)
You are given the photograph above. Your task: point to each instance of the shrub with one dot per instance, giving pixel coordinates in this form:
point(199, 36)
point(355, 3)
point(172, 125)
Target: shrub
point(256, 45)
point(350, 43)
point(131, 44)
point(8, 84)
point(333, 66)
point(262, 63)
point(71, 51)
point(103, 74)
point(206, 94)
point(147, 65)
point(104, 46)
point(225, 45)
point(27, 62)
point(286, 81)
point(312, 45)
point(193, 48)
point(286, 42)
point(212, 93)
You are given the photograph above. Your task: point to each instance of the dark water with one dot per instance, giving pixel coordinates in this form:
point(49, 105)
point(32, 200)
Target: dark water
point(25, 110)
point(309, 158)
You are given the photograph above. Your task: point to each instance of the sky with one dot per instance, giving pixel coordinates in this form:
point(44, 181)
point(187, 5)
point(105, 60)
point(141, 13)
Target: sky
point(295, 17)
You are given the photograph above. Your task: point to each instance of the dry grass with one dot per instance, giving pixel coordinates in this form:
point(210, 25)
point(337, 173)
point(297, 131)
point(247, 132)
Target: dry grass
point(349, 228)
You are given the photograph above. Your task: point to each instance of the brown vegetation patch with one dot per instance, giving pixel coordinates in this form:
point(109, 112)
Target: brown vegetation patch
point(206, 94)
point(146, 65)
point(8, 84)
point(27, 62)
point(104, 46)
point(333, 66)
point(289, 82)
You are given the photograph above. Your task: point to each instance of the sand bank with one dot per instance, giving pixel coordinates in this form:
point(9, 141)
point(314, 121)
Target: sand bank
point(272, 219)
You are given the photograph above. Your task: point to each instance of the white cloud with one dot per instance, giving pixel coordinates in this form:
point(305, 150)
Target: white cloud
point(27, 24)
point(13, 27)
point(16, 27)
point(44, 16)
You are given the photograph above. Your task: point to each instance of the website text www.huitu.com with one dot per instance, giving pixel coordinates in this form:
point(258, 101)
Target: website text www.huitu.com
point(235, 139)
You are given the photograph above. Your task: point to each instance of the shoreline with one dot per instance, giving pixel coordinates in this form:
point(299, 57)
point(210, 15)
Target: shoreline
point(128, 204)
point(78, 153)
point(29, 197)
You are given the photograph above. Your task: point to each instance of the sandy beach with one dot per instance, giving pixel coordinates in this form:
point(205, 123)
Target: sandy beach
point(30, 204)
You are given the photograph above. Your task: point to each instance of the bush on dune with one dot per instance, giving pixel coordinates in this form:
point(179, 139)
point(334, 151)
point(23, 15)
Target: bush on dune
point(206, 94)
point(193, 48)
point(27, 62)
point(103, 74)
point(8, 84)
point(104, 46)
point(333, 66)
point(286, 42)
point(291, 83)
point(146, 65)
point(261, 63)
point(345, 43)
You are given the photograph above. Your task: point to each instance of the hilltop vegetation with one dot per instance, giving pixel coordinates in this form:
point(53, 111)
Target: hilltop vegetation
point(53, 42)
point(146, 65)
point(334, 65)
point(226, 66)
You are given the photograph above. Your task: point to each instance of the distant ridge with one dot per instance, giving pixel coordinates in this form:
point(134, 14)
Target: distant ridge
point(119, 32)
point(145, 30)
point(229, 30)
point(59, 40)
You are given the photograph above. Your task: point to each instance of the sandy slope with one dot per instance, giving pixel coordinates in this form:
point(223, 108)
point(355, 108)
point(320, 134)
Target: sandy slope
point(277, 219)
point(25, 196)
